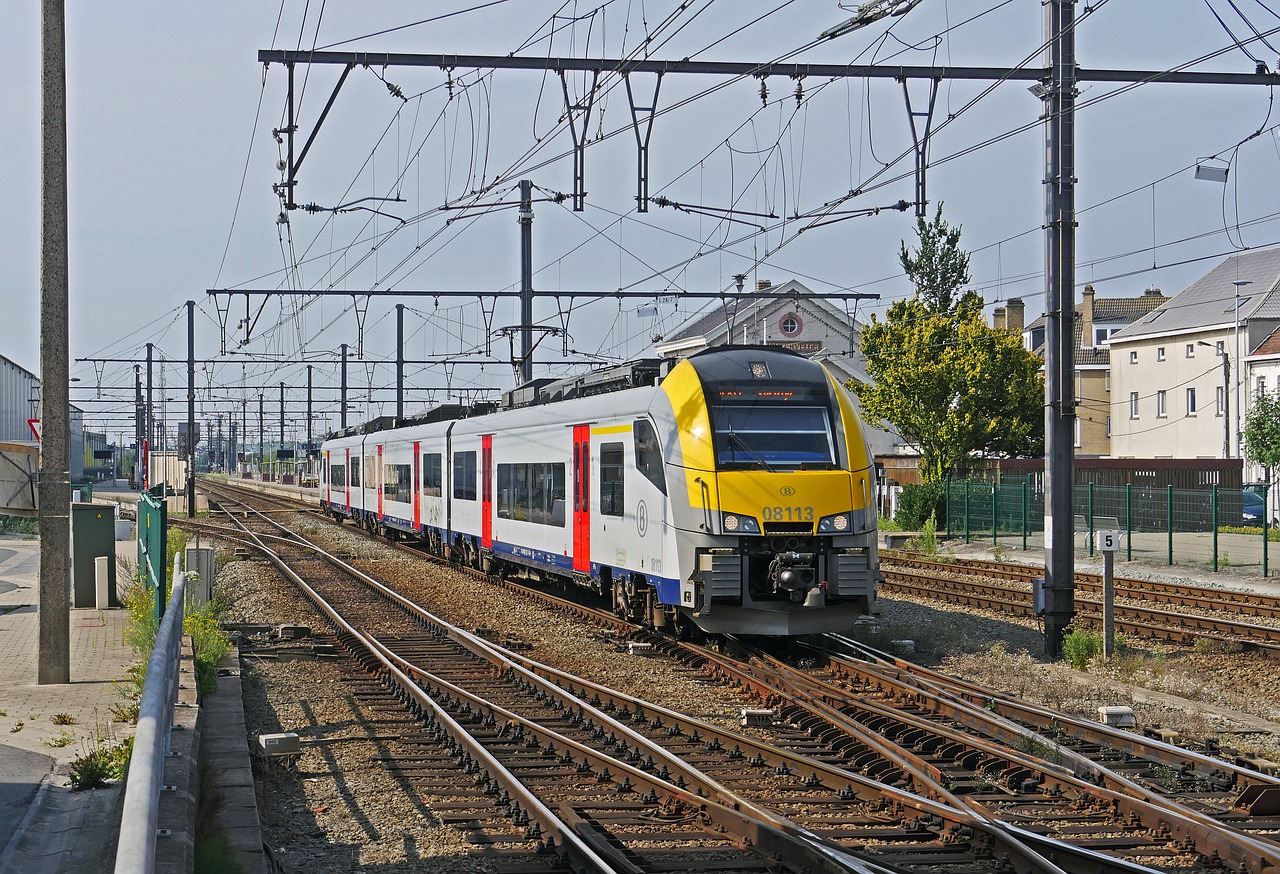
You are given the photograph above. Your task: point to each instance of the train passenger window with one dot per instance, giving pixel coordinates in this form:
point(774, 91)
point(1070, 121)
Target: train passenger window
point(464, 476)
point(337, 474)
point(355, 474)
point(649, 454)
point(611, 472)
point(432, 475)
point(397, 482)
point(371, 471)
point(531, 493)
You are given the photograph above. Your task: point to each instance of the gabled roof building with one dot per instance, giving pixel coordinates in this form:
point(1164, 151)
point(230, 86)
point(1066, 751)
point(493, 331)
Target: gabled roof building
point(789, 315)
point(1180, 374)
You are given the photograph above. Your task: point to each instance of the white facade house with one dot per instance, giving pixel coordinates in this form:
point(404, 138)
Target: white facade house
point(1170, 395)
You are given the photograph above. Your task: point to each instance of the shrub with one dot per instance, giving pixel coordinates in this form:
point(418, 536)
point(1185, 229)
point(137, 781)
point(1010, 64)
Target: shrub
point(27, 526)
point(918, 503)
point(209, 643)
point(1080, 647)
point(103, 760)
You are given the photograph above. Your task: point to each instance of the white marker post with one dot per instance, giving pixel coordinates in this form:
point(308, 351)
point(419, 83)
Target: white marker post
point(1108, 543)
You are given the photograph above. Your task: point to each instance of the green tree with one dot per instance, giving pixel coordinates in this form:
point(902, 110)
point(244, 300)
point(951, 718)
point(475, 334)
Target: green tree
point(1261, 434)
point(945, 380)
point(938, 267)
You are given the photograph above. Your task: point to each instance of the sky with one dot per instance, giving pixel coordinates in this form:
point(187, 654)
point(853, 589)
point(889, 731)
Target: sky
point(172, 160)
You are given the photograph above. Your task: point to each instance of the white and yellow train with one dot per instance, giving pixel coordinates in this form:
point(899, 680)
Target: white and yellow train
point(734, 493)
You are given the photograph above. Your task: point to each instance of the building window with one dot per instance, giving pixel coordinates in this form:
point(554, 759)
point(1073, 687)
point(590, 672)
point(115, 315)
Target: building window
point(1133, 405)
point(1220, 346)
point(1219, 397)
point(1191, 402)
point(1133, 357)
point(1161, 408)
point(1108, 426)
point(790, 325)
point(1262, 386)
point(1191, 350)
point(1106, 381)
point(1159, 353)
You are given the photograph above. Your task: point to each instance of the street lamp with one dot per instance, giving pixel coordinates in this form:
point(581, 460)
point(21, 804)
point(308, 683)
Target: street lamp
point(1238, 284)
point(1226, 396)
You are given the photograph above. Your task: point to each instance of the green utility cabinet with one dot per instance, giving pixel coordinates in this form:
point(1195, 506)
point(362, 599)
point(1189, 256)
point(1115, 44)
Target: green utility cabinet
point(93, 533)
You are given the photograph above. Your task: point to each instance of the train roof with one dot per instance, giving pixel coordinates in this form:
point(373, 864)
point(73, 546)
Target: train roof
point(713, 364)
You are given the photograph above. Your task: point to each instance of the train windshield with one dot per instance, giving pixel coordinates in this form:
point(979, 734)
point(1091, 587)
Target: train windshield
point(783, 431)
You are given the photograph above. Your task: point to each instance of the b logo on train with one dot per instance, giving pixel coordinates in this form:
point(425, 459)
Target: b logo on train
point(732, 490)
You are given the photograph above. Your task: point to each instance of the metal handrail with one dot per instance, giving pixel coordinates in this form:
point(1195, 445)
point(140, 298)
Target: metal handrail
point(136, 852)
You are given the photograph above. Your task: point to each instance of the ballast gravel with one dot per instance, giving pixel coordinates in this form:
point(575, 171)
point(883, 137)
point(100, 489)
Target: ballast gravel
point(337, 809)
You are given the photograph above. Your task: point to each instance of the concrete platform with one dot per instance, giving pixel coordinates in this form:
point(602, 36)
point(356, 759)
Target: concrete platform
point(45, 825)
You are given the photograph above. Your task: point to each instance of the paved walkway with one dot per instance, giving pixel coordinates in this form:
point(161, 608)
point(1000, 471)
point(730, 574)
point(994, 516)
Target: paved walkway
point(65, 831)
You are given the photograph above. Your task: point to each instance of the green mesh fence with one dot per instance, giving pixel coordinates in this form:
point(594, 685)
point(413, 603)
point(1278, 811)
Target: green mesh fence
point(1208, 526)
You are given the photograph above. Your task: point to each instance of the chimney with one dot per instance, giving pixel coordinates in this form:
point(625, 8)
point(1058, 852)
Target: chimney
point(1086, 319)
point(1015, 313)
point(998, 319)
point(1152, 292)
point(764, 284)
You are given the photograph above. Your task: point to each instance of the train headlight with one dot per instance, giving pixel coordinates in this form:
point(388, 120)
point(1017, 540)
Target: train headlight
point(734, 523)
point(837, 524)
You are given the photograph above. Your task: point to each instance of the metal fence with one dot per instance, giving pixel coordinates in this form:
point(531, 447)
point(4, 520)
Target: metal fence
point(136, 851)
point(1156, 525)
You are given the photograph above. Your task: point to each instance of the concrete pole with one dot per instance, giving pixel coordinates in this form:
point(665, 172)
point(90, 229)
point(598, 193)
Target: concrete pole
point(526, 280)
point(1060, 256)
point(191, 409)
point(54, 659)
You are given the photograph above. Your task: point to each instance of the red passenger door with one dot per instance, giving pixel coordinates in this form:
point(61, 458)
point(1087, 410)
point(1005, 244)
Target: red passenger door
point(582, 498)
point(378, 482)
point(486, 491)
point(417, 486)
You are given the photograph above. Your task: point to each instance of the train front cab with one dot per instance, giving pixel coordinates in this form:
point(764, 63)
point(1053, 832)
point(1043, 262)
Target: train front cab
point(779, 481)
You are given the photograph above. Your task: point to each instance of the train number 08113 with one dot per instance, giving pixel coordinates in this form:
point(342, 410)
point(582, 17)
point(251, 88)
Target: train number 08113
point(787, 514)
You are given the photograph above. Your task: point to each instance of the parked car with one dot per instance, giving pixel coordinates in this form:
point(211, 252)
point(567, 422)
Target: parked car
point(1254, 507)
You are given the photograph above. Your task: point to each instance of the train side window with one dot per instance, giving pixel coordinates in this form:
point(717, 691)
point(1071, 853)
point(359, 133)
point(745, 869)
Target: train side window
point(397, 482)
point(464, 476)
point(371, 471)
point(611, 473)
point(432, 479)
point(337, 474)
point(649, 454)
point(355, 473)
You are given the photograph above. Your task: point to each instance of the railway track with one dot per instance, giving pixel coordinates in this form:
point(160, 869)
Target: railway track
point(806, 774)
point(1005, 588)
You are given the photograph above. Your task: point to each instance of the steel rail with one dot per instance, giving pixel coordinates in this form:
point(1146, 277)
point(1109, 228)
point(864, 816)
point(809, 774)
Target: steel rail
point(1119, 793)
point(548, 822)
point(1041, 719)
point(1142, 621)
point(769, 834)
